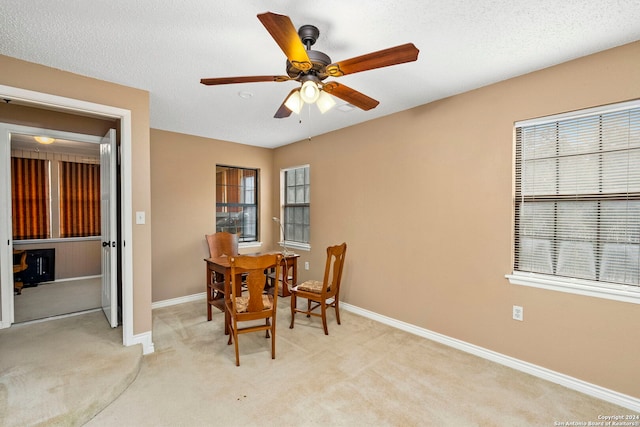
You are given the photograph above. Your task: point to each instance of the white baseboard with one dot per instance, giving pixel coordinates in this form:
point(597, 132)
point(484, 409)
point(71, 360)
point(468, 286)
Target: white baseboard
point(180, 300)
point(73, 279)
point(596, 391)
point(144, 339)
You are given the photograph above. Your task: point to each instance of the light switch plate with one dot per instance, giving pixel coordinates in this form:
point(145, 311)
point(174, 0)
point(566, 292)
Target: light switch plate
point(140, 217)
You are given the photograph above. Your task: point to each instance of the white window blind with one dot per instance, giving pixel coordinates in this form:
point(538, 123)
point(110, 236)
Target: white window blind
point(577, 207)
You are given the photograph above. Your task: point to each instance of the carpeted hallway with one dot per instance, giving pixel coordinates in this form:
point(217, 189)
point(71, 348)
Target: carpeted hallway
point(62, 372)
point(363, 373)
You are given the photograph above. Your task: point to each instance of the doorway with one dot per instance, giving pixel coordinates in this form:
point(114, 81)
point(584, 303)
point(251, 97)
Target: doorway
point(74, 106)
point(63, 272)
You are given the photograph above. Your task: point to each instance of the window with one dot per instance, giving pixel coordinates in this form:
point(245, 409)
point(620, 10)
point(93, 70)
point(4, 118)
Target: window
point(296, 205)
point(577, 205)
point(237, 202)
point(43, 210)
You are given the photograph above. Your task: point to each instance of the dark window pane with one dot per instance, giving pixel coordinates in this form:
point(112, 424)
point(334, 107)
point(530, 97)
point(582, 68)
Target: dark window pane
point(296, 207)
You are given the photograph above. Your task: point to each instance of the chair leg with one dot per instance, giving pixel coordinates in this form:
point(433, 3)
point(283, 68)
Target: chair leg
point(308, 308)
point(323, 308)
point(266, 322)
point(209, 298)
point(273, 339)
point(235, 342)
point(294, 304)
point(337, 311)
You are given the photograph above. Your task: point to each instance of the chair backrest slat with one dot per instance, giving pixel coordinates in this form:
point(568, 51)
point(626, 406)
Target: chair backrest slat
point(333, 269)
point(254, 268)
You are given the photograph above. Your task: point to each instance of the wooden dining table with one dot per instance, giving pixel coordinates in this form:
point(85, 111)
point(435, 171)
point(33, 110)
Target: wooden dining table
point(222, 265)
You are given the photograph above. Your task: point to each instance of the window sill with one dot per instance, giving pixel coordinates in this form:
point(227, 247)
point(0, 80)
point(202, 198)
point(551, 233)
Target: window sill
point(296, 245)
point(56, 240)
point(624, 293)
point(249, 245)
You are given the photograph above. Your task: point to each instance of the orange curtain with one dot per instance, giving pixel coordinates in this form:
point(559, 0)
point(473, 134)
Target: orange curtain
point(79, 199)
point(233, 188)
point(30, 198)
point(220, 187)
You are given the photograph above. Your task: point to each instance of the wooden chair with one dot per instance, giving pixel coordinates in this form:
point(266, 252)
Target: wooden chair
point(256, 305)
point(21, 265)
point(322, 294)
point(287, 278)
point(220, 244)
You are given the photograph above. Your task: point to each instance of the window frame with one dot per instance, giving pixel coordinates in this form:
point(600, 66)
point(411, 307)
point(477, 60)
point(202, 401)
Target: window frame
point(241, 203)
point(284, 205)
point(587, 287)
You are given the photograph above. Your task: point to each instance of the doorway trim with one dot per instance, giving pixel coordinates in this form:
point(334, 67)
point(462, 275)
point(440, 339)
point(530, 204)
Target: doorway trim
point(84, 107)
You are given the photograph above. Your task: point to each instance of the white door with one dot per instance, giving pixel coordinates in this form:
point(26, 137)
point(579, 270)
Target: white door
point(108, 208)
point(6, 256)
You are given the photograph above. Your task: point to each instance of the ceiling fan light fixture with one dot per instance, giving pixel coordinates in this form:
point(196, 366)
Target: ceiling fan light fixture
point(309, 92)
point(294, 102)
point(325, 102)
point(44, 139)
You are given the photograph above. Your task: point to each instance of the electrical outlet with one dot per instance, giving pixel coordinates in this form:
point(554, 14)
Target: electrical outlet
point(518, 313)
point(306, 265)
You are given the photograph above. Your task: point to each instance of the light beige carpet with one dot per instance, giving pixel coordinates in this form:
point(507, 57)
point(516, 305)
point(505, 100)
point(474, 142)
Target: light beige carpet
point(363, 374)
point(62, 372)
point(57, 298)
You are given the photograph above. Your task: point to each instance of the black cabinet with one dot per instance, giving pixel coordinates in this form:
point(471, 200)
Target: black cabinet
point(41, 265)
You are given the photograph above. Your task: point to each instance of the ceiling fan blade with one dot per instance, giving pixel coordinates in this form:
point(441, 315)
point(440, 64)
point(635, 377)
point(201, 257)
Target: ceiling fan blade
point(248, 79)
point(352, 96)
point(283, 111)
point(382, 58)
point(284, 33)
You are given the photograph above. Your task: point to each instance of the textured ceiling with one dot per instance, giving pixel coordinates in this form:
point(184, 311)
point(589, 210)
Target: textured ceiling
point(166, 47)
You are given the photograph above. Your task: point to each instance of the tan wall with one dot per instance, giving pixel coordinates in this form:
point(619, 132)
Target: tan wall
point(183, 201)
point(75, 258)
point(424, 200)
point(25, 115)
point(39, 78)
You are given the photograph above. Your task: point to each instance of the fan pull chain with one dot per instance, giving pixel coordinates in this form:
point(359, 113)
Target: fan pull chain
point(309, 122)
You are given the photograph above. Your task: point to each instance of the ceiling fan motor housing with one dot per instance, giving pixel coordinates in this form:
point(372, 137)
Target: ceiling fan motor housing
point(308, 35)
point(318, 59)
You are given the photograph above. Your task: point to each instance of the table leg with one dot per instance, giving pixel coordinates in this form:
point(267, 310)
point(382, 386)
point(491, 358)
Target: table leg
point(289, 264)
point(209, 293)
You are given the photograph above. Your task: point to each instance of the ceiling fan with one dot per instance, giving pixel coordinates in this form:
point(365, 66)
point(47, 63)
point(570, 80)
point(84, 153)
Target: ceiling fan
point(311, 67)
